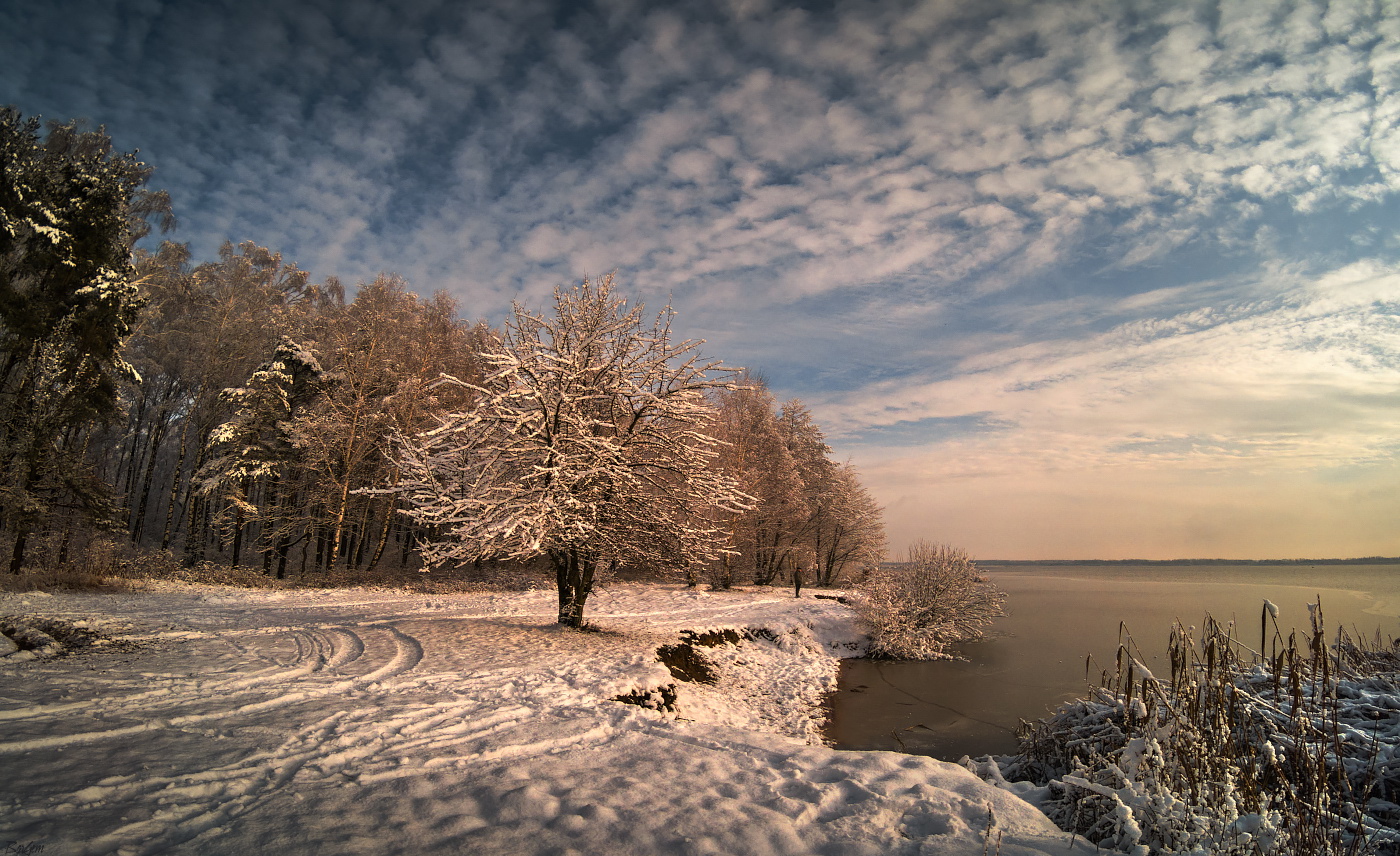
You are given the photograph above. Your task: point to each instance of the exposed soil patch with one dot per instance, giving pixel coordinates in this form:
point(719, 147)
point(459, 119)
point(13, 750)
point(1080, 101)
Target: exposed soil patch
point(45, 637)
point(687, 664)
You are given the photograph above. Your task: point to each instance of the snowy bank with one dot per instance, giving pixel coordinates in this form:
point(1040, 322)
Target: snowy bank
point(212, 720)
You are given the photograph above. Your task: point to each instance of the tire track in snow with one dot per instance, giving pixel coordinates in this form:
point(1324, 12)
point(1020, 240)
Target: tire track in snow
point(317, 649)
point(187, 806)
point(288, 686)
point(179, 808)
point(350, 649)
point(364, 745)
point(408, 653)
point(361, 746)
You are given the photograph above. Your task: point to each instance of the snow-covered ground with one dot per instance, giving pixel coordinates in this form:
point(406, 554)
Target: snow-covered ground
point(211, 720)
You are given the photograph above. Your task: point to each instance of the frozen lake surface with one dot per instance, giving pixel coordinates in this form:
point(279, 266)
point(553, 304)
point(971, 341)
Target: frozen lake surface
point(1057, 615)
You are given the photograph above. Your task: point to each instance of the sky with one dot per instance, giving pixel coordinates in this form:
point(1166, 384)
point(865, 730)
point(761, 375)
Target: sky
point(1070, 279)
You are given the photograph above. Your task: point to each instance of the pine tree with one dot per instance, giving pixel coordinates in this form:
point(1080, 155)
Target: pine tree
point(71, 209)
point(254, 461)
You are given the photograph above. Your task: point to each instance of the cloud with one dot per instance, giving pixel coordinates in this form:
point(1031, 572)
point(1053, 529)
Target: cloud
point(995, 108)
point(903, 212)
point(1292, 381)
point(1181, 366)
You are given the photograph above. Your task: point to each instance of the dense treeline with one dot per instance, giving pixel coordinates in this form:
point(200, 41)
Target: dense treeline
point(809, 512)
point(236, 411)
point(266, 407)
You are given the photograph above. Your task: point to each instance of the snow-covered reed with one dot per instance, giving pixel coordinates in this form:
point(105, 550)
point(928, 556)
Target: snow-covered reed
point(1293, 748)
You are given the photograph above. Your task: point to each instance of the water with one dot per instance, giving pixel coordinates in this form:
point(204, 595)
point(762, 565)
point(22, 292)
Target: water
point(1059, 615)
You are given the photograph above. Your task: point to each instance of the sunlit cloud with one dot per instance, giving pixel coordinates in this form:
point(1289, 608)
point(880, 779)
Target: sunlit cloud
point(1295, 384)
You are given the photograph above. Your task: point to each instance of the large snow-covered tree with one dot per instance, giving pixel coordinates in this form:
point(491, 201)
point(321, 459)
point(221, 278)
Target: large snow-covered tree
point(70, 211)
point(587, 445)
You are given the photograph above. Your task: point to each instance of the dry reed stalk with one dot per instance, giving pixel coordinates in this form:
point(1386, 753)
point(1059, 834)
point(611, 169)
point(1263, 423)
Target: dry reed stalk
point(1290, 749)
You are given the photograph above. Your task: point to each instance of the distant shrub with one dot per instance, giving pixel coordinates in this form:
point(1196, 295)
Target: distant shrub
point(919, 609)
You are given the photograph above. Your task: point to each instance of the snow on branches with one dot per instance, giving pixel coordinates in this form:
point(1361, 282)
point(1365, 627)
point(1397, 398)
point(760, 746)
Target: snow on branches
point(587, 445)
point(70, 211)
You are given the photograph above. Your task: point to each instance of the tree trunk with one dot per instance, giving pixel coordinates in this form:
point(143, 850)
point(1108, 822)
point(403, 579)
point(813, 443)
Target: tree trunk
point(129, 465)
point(343, 503)
point(383, 533)
point(365, 520)
point(284, 543)
point(175, 485)
point(138, 523)
point(767, 557)
point(237, 536)
point(24, 522)
point(17, 554)
point(574, 575)
point(197, 530)
point(265, 535)
point(348, 546)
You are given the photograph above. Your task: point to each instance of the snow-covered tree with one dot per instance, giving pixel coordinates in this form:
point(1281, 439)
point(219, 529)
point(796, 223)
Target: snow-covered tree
point(849, 530)
point(202, 331)
point(70, 211)
point(918, 609)
point(756, 455)
point(587, 446)
point(809, 513)
point(254, 463)
point(381, 353)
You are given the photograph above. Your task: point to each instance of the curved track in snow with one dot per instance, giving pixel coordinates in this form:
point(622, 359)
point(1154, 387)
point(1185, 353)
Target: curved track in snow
point(318, 666)
point(257, 683)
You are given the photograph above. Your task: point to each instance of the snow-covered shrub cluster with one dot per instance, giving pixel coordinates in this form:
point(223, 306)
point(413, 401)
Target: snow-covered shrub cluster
point(919, 609)
point(1294, 750)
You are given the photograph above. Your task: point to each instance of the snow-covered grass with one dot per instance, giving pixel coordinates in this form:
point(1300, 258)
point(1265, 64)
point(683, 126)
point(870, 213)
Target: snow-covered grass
point(202, 719)
point(1293, 748)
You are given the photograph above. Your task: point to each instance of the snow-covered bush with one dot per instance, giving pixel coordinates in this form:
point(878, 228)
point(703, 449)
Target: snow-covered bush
point(918, 609)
